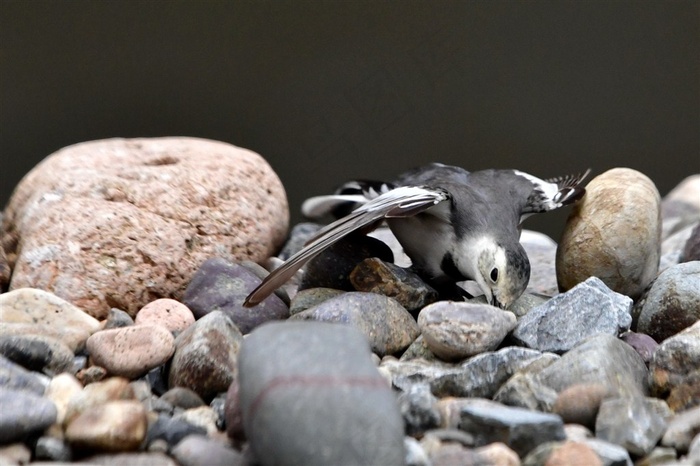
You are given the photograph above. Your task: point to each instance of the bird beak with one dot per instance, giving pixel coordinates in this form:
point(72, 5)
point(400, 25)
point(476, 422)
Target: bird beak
point(497, 303)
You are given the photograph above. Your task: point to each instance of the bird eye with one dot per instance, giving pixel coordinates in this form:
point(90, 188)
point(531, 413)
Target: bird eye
point(494, 274)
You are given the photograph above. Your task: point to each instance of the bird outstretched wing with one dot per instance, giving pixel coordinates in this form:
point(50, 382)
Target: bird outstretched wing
point(404, 201)
point(345, 199)
point(552, 193)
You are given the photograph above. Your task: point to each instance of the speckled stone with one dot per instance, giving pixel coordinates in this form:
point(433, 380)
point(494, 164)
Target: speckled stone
point(675, 359)
point(165, 312)
point(455, 330)
point(131, 351)
point(205, 356)
point(33, 306)
point(112, 223)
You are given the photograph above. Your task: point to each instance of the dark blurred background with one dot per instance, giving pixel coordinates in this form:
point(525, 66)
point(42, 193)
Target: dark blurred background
point(328, 91)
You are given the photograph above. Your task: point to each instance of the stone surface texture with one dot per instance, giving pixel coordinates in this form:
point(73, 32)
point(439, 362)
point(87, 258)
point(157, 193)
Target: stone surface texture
point(672, 304)
point(119, 222)
point(613, 233)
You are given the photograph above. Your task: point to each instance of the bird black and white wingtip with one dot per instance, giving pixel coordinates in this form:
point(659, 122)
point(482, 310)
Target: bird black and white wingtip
point(569, 188)
point(553, 193)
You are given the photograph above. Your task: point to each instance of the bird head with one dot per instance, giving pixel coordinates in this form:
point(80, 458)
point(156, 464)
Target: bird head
point(503, 272)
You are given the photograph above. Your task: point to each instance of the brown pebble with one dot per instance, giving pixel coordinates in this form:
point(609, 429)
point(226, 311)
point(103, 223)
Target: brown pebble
point(579, 403)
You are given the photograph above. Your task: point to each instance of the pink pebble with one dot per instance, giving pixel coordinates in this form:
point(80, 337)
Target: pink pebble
point(167, 313)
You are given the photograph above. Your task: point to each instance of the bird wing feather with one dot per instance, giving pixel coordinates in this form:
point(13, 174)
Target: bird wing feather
point(553, 193)
point(404, 201)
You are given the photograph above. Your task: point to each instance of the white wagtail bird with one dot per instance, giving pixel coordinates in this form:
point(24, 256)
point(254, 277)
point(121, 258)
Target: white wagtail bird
point(454, 225)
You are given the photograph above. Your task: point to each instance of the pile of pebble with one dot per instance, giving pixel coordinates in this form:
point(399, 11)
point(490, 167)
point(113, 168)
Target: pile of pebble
point(597, 364)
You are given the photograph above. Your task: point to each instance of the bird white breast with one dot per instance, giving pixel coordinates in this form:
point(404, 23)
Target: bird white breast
point(425, 240)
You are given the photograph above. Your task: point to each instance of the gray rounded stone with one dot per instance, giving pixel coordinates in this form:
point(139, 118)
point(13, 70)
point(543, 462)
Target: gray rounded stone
point(205, 356)
point(195, 450)
point(37, 353)
point(673, 302)
point(384, 322)
point(310, 395)
point(456, 330)
point(306, 299)
point(23, 414)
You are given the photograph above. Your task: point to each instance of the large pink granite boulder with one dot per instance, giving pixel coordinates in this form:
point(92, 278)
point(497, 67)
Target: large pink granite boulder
point(122, 222)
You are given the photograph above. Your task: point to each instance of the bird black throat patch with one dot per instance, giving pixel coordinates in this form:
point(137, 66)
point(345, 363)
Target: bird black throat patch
point(450, 269)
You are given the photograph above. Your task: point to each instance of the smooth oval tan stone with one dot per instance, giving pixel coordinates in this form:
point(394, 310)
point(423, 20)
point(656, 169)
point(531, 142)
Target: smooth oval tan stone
point(613, 233)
